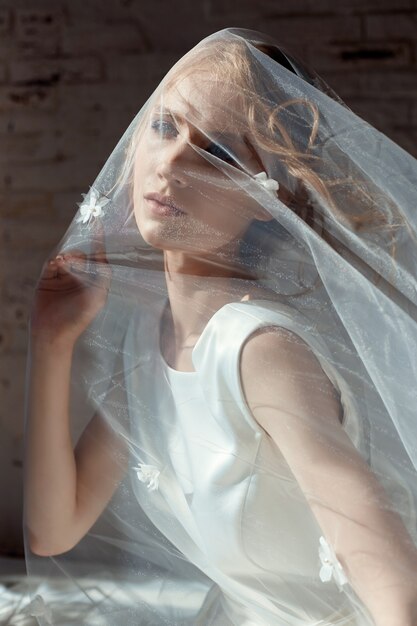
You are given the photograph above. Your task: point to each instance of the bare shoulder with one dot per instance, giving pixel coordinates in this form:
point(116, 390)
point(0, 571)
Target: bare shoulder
point(275, 346)
point(280, 372)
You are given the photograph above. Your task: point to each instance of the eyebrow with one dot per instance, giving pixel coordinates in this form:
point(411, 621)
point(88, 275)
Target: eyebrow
point(216, 133)
point(164, 109)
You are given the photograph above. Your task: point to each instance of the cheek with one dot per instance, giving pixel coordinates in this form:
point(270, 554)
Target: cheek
point(239, 208)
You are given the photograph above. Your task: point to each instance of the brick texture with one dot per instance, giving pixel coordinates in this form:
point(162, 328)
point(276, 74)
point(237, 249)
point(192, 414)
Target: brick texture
point(38, 31)
point(72, 76)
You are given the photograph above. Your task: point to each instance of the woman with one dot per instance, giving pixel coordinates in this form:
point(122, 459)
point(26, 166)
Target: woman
point(234, 303)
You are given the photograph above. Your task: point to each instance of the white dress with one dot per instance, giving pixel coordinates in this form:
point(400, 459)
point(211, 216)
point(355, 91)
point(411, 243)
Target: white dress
point(214, 483)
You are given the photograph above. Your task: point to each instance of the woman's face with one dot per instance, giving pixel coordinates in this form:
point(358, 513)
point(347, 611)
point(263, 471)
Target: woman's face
point(215, 211)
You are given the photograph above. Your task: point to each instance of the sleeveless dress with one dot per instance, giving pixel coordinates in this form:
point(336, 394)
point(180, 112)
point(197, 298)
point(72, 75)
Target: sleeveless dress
point(216, 486)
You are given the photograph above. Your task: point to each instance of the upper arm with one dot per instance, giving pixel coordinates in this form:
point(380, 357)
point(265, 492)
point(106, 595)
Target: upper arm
point(294, 401)
point(281, 377)
point(101, 459)
point(101, 456)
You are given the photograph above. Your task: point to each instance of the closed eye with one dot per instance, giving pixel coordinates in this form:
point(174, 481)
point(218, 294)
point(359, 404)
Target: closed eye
point(164, 128)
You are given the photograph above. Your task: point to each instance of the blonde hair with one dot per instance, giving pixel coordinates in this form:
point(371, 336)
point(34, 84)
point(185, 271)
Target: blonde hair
point(236, 65)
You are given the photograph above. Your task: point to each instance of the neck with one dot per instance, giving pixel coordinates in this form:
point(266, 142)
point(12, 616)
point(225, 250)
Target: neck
point(197, 288)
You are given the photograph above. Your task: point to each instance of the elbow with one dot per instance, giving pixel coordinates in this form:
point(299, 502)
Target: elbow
point(48, 548)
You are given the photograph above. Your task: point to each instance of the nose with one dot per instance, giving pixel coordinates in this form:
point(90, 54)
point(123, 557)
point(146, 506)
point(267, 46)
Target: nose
point(175, 162)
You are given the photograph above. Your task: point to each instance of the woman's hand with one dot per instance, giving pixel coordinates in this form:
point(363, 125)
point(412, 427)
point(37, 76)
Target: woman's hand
point(71, 290)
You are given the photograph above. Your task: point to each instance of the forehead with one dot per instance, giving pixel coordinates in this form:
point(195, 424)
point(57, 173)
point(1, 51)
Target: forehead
point(202, 100)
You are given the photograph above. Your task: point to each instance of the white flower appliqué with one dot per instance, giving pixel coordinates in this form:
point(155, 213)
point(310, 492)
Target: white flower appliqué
point(38, 608)
point(331, 567)
point(269, 183)
point(148, 474)
point(92, 208)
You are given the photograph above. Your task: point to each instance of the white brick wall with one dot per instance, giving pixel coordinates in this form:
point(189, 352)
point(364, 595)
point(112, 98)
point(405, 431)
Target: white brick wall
point(73, 73)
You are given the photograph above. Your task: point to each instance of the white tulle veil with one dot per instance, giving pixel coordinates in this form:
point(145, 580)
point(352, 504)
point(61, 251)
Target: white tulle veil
point(334, 247)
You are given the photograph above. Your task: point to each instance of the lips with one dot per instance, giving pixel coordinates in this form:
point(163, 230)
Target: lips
point(166, 201)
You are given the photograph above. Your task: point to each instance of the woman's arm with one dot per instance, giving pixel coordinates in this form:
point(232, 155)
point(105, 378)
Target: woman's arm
point(294, 401)
point(65, 490)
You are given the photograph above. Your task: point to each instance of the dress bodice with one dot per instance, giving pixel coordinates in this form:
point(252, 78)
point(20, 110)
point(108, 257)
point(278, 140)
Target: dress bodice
point(225, 494)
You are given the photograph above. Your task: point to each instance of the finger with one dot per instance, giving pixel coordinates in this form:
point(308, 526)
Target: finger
point(53, 267)
point(55, 273)
point(49, 270)
point(76, 261)
point(71, 264)
point(83, 267)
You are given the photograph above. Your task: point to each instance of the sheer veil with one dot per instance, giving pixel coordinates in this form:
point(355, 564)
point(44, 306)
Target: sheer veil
point(191, 512)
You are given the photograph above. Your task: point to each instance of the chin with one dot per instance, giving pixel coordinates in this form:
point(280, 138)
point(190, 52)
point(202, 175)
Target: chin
point(150, 230)
point(153, 238)
point(154, 235)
